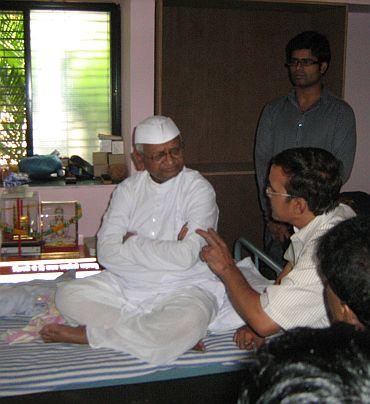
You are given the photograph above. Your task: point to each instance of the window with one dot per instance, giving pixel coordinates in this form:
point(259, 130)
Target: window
point(59, 77)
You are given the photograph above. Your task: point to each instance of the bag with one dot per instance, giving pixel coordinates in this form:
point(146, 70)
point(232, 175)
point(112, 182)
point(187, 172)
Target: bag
point(80, 168)
point(41, 167)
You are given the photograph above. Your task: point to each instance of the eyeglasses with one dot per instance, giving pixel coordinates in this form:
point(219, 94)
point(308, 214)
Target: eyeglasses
point(174, 152)
point(303, 62)
point(269, 192)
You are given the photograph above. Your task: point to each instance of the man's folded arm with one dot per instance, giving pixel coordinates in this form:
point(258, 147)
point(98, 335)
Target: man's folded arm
point(201, 211)
point(151, 253)
point(162, 253)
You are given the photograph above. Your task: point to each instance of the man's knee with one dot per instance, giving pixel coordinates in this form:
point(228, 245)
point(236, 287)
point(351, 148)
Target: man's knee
point(189, 312)
point(199, 311)
point(198, 316)
point(65, 298)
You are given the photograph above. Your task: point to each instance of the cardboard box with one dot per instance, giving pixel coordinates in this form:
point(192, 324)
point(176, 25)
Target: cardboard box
point(105, 146)
point(103, 136)
point(100, 169)
point(100, 158)
point(116, 159)
point(117, 146)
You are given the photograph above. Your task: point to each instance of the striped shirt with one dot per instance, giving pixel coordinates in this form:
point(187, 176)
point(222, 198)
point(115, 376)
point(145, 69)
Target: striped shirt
point(299, 300)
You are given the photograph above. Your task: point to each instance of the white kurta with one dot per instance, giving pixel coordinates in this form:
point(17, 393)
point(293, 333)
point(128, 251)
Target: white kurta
point(154, 261)
point(156, 298)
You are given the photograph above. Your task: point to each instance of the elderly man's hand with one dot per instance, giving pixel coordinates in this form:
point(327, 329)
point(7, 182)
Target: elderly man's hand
point(247, 339)
point(183, 232)
point(128, 235)
point(216, 254)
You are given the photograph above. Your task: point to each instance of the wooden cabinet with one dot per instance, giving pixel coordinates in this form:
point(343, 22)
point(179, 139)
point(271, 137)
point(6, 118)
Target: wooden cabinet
point(238, 203)
point(217, 64)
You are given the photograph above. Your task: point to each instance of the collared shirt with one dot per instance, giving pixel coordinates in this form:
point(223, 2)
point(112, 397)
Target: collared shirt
point(153, 261)
point(329, 124)
point(299, 299)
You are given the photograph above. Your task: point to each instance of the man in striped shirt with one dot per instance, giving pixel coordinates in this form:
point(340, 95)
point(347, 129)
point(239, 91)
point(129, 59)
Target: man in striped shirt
point(303, 189)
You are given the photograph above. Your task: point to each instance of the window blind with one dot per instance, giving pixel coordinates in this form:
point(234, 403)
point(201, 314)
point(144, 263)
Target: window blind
point(71, 80)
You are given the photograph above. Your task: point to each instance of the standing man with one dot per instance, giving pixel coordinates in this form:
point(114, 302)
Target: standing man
point(309, 116)
point(303, 187)
point(156, 299)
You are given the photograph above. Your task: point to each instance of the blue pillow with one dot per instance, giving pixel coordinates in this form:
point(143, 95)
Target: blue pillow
point(40, 167)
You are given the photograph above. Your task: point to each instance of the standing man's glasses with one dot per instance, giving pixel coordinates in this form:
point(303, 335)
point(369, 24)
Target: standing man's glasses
point(303, 62)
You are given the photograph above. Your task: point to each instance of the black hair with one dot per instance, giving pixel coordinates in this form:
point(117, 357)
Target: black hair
point(316, 42)
point(344, 262)
point(314, 174)
point(308, 365)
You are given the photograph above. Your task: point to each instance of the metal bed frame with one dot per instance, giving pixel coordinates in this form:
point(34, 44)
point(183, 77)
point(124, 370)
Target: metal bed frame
point(257, 254)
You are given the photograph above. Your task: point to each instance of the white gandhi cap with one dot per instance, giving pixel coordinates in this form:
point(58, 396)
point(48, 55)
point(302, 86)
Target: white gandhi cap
point(156, 130)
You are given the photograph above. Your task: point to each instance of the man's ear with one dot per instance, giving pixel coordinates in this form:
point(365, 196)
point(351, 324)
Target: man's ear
point(299, 206)
point(138, 160)
point(323, 67)
point(350, 317)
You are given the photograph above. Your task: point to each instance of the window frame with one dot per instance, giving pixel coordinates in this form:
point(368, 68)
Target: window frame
point(115, 53)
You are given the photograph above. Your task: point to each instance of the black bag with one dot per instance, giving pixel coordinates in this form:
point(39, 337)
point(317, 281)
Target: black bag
point(80, 168)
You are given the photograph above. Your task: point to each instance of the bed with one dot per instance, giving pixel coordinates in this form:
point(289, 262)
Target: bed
point(61, 373)
point(29, 370)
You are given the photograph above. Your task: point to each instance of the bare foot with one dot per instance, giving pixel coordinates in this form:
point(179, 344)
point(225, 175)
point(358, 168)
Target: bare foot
point(64, 333)
point(199, 346)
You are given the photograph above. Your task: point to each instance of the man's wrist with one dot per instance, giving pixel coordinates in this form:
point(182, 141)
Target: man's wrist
point(228, 270)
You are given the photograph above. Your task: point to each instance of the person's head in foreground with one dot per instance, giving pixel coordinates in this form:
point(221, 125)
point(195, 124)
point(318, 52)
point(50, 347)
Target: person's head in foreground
point(344, 262)
point(307, 58)
point(303, 183)
point(159, 148)
point(308, 365)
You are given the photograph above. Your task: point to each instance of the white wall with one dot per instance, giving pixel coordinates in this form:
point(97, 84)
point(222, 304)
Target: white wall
point(357, 94)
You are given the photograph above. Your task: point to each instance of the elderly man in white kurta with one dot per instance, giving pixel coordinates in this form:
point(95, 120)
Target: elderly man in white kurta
point(156, 299)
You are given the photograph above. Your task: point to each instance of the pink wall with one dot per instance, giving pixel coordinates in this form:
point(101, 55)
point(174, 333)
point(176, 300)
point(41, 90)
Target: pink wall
point(94, 201)
point(142, 59)
point(357, 93)
point(138, 23)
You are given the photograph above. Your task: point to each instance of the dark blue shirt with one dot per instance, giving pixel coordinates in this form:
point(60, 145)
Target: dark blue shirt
point(329, 124)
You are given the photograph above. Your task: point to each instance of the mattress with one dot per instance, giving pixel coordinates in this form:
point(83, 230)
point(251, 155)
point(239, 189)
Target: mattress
point(34, 367)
